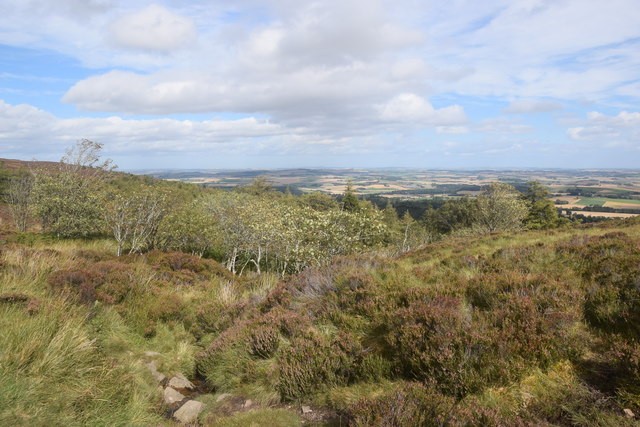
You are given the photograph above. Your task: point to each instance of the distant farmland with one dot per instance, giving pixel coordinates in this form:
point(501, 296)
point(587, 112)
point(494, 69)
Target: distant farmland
point(602, 201)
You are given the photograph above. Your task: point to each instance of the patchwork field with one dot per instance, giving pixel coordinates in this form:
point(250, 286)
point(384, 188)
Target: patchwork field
point(611, 191)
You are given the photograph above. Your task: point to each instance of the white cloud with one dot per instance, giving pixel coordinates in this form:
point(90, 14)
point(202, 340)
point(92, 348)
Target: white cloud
point(411, 108)
point(592, 133)
point(622, 129)
point(520, 106)
point(30, 131)
point(153, 28)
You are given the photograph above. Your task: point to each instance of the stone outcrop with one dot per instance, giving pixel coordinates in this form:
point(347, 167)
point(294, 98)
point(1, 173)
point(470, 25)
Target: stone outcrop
point(189, 411)
point(171, 396)
point(180, 381)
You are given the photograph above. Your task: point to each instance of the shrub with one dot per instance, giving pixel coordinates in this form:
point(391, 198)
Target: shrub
point(436, 341)
point(117, 281)
point(613, 303)
point(80, 283)
point(529, 333)
point(412, 404)
point(289, 322)
point(264, 341)
point(106, 281)
point(309, 364)
point(168, 307)
point(214, 317)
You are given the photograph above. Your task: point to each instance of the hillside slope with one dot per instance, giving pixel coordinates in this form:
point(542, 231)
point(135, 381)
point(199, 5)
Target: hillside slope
point(537, 327)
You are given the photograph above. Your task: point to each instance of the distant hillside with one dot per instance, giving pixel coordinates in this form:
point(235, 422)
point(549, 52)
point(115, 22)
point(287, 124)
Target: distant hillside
point(14, 164)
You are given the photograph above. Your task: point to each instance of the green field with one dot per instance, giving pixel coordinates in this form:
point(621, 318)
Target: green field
point(600, 201)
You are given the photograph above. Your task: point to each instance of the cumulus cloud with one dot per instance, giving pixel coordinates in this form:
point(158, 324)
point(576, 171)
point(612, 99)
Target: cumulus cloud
point(338, 72)
point(592, 133)
point(411, 108)
point(525, 106)
point(30, 131)
point(623, 129)
point(153, 28)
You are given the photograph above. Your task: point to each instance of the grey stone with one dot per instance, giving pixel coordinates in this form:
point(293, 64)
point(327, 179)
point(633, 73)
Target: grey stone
point(159, 376)
point(189, 411)
point(629, 413)
point(247, 404)
point(223, 396)
point(306, 409)
point(171, 396)
point(180, 381)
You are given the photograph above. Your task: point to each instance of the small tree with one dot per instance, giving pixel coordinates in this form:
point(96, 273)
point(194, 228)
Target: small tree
point(350, 202)
point(68, 200)
point(542, 212)
point(258, 186)
point(19, 198)
point(134, 219)
point(84, 158)
point(499, 207)
point(454, 215)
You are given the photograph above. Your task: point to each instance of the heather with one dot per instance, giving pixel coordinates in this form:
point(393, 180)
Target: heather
point(284, 310)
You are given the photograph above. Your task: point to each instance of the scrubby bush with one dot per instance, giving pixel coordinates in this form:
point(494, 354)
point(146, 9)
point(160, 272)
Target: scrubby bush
point(264, 341)
point(309, 364)
point(411, 404)
point(437, 341)
point(613, 302)
point(79, 283)
point(106, 281)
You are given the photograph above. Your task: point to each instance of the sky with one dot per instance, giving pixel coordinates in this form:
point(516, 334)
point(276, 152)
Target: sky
point(195, 84)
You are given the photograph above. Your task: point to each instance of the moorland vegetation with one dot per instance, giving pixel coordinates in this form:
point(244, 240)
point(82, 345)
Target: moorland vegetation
point(487, 311)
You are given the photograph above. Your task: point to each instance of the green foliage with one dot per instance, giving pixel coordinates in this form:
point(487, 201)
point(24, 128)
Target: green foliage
point(135, 218)
point(189, 228)
point(257, 187)
point(350, 202)
point(268, 233)
point(499, 208)
point(452, 216)
point(542, 213)
point(69, 201)
point(318, 201)
point(67, 205)
point(535, 327)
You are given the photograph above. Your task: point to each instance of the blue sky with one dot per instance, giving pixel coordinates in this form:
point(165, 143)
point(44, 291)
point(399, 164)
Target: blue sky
point(348, 83)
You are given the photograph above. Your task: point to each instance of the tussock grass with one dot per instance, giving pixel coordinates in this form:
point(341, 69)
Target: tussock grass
point(52, 370)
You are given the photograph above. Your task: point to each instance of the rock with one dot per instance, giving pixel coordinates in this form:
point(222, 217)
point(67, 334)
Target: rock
point(159, 376)
point(223, 396)
point(189, 411)
point(629, 413)
point(247, 404)
point(171, 396)
point(180, 381)
point(306, 409)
